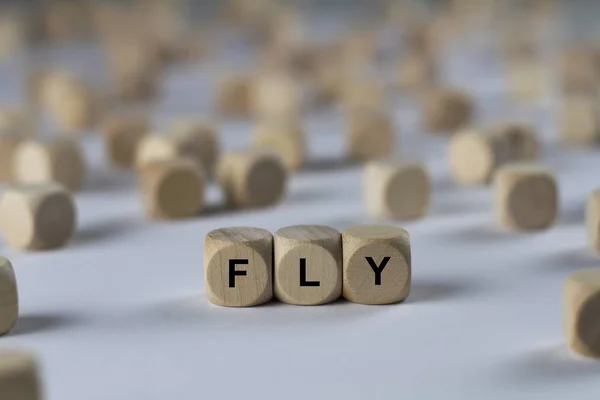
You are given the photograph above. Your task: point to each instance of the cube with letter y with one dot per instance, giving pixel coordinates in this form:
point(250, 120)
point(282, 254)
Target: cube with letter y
point(238, 266)
point(377, 264)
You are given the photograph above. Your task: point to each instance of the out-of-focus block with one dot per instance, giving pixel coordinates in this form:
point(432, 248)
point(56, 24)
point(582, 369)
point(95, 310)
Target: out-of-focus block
point(592, 216)
point(376, 264)
point(285, 138)
point(252, 179)
point(9, 297)
point(580, 121)
point(9, 141)
point(60, 160)
point(172, 189)
point(581, 308)
point(37, 216)
point(397, 190)
point(371, 134)
point(19, 376)
point(447, 110)
point(363, 93)
point(234, 96)
point(308, 264)
point(526, 196)
point(416, 72)
point(527, 80)
point(122, 135)
point(276, 95)
point(238, 266)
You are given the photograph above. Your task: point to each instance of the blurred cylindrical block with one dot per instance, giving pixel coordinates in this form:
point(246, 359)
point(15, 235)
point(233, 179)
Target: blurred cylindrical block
point(446, 110)
point(9, 297)
point(284, 137)
point(122, 135)
point(19, 376)
point(371, 134)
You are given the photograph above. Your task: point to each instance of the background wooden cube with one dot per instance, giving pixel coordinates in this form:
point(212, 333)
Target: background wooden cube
point(284, 137)
point(37, 216)
point(526, 196)
point(476, 153)
point(9, 141)
point(9, 297)
point(581, 308)
point(19, 375)
point(238, 266)
point(234, 96)
point(308, 264)
point(276, 95)
point(592, 217)
point(252, 178)
point(198, 140)
point(60, 160)
point(446, 110)
point(122, 135)
point(396, 189)
point(173, 188)
point(579, 123)
point(371, 134)
point(377, 264)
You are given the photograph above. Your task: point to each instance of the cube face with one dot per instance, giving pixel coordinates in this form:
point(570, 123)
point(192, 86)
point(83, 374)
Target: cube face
point(580, 125)
point(471, 157)
point(377, 264)
point(581, 311)
point(308, 264)
point(9, 298)
point(587, 326)
point(447, 110)
point(372, 135)
point(238, 267)
point(55, 220)
point(19, 377)
point(122, 136)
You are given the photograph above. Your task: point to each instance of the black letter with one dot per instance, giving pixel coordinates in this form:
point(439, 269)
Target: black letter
point(378, 269)
point(233, 272)
point(303, 281)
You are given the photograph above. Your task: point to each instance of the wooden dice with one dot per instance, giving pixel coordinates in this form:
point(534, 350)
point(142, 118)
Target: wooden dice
point(446, 110)
point(19, 376)
point(580, 121)
point(173, 188)
point(276, 96)
point(581, 308)
point(476, 153)
point(376, 264)
point(37, 216)
point(284, 137)
point(9, 298)
point(371, 134)
point(194, 140)
point(122, 135)
point(527, 79)
point(592, 216)
point(9, 141)
point(234, 96)
point(252, 179)
point(238, 267)
point(396, 190)
point(308, 265)
point(525, 196)
point(59, 160)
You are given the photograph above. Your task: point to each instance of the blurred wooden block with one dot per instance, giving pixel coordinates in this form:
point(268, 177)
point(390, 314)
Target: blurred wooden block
point(362, 93)
point(234, 96)
point(376, 264)
point(276, 96)
point(371, 134)
point(19, 376)
point(238, 267)
point(527, 80)
point(581, 307)
point(416, 72)
point(284, 137)
point(580, 121)
point(9, 141)
point(397, 190)
point(525, 196)
point(17, 121)
point(60, 160)
point(475, 154)
point(579, 74)
point(252, 178)
point(122, 135)
point(173, 188)
point(592, 217)
point(9, 298)
point(447, 110)
point(308, 264)
point(189, 139)
point(37, 216)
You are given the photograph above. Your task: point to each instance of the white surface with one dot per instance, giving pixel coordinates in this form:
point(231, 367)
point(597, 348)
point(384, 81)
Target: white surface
point(121, 313)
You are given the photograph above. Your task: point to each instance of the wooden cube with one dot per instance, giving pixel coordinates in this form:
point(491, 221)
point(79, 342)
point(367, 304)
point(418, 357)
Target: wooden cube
point(447, 110)
point(59, 159)
point(527, 80)
point(592, 217)
point(416, 72)
point(9, 141)
point(526, 196)
point(234, 96)
point(371, 135)
point(37, 216)
point(580, 121)
point(284, 137)
point(276, 95)
point(578, 72)
point(16, 121)
point(9, 298)
point(172, 189)
point(19, 376)
point(122, 135)
point(397, 190)
point(476, 153)
point(308, 265)
point(581, 311)
point(252, 178)
point(363, 93)
point(238, 266)
point(377, 264)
